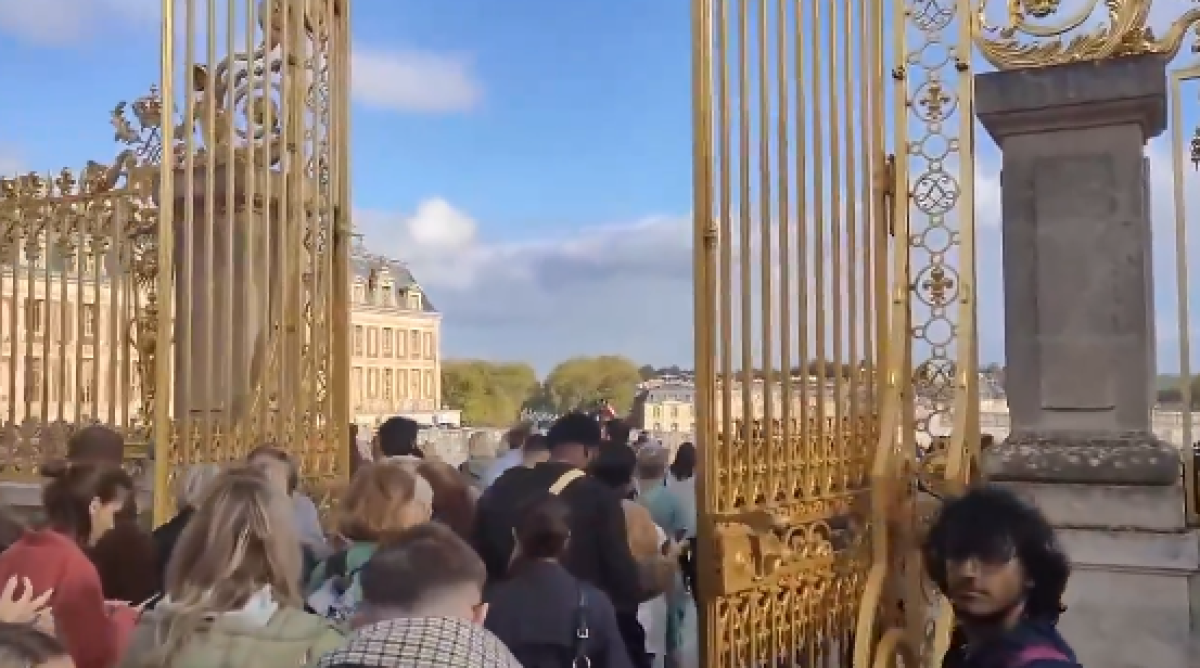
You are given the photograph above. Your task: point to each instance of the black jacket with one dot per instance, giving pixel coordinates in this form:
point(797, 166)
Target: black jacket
point(166, 536)
point(598, 551)
point(545, 635)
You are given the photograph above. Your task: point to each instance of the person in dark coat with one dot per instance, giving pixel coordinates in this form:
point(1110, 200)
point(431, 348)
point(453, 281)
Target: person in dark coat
point(572, 620)
point(190, 491)
point(599, 551)
point(125, 557)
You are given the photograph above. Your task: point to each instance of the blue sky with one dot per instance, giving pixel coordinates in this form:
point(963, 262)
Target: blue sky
point(530, 160)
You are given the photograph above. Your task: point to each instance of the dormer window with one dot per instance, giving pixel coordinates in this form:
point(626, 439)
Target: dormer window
point(387, 295)
point(358, 292)
point(414, 299)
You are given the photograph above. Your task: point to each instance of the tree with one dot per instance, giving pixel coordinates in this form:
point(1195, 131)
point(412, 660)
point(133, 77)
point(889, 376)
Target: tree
point(488, 394)
point(583, 382)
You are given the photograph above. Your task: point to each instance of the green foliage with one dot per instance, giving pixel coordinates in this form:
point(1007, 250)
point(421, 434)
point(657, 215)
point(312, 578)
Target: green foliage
point(1170, 391)
point(488, 394)
point(584, 382)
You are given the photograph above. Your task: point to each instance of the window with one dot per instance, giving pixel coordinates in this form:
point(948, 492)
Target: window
point(674, 426)
point(674, 411)
point(90, 316)
point(372, 383)
point(414, 385)
point(428, 384)
point(387, 384)
point(428, 344)
point(401, 343)
point(34, 309)
point(388, 293)
point(33, 379)
point(414, 344)
point(357, 294)
point(657, 412)
point(87, 381)
point(372, 342)
point(386, 338)
point(657, 426)
point(356, 385)
point(358, 341)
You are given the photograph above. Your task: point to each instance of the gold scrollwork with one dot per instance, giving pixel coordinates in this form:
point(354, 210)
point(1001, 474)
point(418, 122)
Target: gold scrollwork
point(1035, 35)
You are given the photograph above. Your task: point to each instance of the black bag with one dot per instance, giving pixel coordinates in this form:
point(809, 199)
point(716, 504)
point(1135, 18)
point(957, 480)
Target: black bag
point(573, 655)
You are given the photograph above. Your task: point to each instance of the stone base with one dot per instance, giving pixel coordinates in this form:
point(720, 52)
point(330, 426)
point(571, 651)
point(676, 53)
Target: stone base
point(1135, 583)
point(1085, 458)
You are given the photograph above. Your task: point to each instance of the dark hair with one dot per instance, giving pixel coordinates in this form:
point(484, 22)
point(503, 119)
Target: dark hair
point(23, 645)
point(453, 502)
point(11, 528)
point(96, 443)
point(614, 464)
point(543, 528)
point(684, 465)
point(573, 428)
point(990, 523)
point(275, 453)
point(424, 561)
point(518, 435)
point(67, 500)
point(536, 443)
point(618, 431)
point(398, 437)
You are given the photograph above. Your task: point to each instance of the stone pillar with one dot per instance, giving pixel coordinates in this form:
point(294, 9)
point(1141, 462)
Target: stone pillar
point(1079, 342)
point(205, 295)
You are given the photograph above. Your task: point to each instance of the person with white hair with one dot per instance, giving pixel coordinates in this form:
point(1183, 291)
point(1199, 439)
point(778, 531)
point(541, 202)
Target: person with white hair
point(190, 489)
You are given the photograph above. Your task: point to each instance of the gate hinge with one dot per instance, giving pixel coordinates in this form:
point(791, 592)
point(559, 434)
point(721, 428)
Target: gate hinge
point(886, 189)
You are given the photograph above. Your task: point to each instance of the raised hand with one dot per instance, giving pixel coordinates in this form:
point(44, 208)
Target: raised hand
point(23, 609)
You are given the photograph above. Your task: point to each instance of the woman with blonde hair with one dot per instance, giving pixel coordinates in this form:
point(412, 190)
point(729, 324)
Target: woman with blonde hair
point(383, 499)
point(233, 597)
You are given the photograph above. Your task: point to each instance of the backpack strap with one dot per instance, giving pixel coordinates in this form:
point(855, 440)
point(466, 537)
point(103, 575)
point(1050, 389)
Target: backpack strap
point(1035, 653)
point(565, 481)
point(582, 632)
point(335, 566)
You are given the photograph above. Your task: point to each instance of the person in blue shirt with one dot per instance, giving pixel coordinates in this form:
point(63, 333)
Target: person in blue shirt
point(998, 562)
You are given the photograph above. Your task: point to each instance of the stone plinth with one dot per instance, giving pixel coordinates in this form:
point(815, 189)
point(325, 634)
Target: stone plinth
point(1079, 342)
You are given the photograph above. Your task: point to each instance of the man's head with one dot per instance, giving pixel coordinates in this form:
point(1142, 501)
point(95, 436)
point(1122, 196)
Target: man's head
point(996, 558)
point(96, 444)
point(617, 431)
point(517, 436)
point(426, 571)
point(536, 450)
point(398, 437)
point(572, 439)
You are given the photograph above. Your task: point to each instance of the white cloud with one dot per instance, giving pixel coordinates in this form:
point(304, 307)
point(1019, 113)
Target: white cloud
point(412, 80)
point(627, 287)
point(63, 22)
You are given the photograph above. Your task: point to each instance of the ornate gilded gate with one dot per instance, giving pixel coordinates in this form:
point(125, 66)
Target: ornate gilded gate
point(834, 316)
point(194, 293)
point(256, 233)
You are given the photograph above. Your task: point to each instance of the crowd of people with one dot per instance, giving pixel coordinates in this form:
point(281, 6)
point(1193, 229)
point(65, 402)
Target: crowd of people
point(566, 550)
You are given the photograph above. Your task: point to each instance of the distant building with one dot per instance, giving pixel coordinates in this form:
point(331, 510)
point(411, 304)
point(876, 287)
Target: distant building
point(665, 407)
point(395, 355)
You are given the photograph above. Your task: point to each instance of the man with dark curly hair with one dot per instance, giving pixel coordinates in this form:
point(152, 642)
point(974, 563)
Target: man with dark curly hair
point(998, 562)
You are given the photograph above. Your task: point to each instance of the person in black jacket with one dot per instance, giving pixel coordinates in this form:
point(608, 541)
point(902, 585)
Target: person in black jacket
point(598, 552)
point(572, 620)
point(192, 486)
